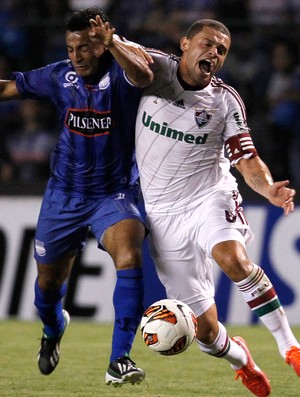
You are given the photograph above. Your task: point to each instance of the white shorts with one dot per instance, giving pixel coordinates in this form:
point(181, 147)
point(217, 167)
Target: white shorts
point(181, 245)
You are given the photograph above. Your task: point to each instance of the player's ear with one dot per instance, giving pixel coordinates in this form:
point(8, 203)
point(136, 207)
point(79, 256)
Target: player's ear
point(184, 44)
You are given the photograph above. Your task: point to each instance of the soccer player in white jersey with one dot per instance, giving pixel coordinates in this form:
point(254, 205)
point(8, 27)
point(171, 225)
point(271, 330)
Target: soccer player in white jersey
point(186, 118)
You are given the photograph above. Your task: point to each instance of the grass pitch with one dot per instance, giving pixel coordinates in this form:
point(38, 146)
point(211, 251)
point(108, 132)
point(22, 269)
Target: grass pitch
point(85, 353)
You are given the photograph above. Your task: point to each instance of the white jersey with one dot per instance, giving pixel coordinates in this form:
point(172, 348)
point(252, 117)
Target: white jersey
point(180, 138)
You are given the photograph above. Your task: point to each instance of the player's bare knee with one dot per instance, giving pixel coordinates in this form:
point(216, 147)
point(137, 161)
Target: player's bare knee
point(50, 278)
point(237, 270)
point(128, 259)
point(49, 284)
point(237, 267)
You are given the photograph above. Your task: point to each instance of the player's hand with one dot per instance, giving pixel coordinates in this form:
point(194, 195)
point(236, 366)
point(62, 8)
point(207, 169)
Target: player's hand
point(282, 196)
point(101, 32)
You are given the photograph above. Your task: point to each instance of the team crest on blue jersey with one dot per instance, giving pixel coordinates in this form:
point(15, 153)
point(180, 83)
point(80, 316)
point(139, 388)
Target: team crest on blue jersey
point(202, 117)
point(104, 82)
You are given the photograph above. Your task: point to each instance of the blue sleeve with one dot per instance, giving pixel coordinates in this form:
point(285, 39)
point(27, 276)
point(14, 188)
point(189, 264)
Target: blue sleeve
point(37, 83)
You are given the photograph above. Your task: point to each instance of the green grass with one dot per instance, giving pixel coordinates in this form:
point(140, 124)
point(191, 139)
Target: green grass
point(84, 358)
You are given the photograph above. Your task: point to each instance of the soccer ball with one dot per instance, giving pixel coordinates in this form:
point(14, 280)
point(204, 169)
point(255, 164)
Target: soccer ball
point(168, 327)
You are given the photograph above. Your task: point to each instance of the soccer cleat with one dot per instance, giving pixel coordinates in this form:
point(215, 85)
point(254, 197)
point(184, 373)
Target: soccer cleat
point(48, 355)
point(251, 375)
point(293, 359)
point(123, 370)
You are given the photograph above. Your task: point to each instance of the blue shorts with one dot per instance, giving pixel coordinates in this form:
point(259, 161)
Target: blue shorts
point(64, 221)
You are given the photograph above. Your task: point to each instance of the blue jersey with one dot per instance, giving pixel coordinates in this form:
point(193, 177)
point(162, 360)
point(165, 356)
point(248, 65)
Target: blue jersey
point(94, 156)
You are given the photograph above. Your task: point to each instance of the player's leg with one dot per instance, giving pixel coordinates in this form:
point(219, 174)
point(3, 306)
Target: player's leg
point(212, 339)
point(187, 275)
point(121, 233)
point(123, 241)
point(260, 295)
point(55, 252)
point(224, 233)
point(50, 288)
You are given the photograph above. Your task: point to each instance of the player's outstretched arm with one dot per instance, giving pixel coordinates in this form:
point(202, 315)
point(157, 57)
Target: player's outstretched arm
point(130, 56)
point(258, 176)
point(8, 90)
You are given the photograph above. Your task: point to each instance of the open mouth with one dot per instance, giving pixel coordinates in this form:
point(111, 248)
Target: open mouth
point(205, 66)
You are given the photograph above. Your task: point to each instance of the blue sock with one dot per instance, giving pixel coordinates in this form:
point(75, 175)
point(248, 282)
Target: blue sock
point(49, 305)
point(128, 303)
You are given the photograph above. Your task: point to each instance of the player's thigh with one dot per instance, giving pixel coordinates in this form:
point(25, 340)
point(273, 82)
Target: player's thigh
point(123, 241)
point(181, 265)
point(221, 218)
point(119, 228)
point(61, 229)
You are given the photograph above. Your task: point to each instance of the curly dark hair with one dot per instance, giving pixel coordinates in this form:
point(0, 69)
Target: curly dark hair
point(80, 20)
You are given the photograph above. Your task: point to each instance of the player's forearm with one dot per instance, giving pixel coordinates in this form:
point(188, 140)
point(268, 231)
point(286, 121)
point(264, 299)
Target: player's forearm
point(259, 178)
point(135, 65)
point(8, 90)
point(130, 56)
point(257, 175)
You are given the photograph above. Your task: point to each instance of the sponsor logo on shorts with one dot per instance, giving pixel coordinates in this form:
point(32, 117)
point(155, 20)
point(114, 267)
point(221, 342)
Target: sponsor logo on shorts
point(120, 196)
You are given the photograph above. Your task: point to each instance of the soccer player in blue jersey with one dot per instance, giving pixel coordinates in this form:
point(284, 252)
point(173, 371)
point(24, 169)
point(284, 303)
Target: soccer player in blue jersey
point(93, 182)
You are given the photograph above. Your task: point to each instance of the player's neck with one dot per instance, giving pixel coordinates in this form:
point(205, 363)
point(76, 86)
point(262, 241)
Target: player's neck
point(187, 86)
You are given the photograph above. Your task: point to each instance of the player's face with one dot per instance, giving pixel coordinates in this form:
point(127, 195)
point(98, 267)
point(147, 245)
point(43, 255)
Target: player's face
point(82, 53)
point(203, 56)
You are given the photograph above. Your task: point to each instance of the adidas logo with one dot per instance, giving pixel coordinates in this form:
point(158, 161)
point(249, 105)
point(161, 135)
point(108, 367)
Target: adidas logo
point(179, 104)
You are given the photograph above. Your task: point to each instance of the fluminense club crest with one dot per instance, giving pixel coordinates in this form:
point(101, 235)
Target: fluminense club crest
point(202, 117)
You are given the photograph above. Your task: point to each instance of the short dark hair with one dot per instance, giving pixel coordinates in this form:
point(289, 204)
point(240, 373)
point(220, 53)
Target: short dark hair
point(198, 26)
point(80, 20)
